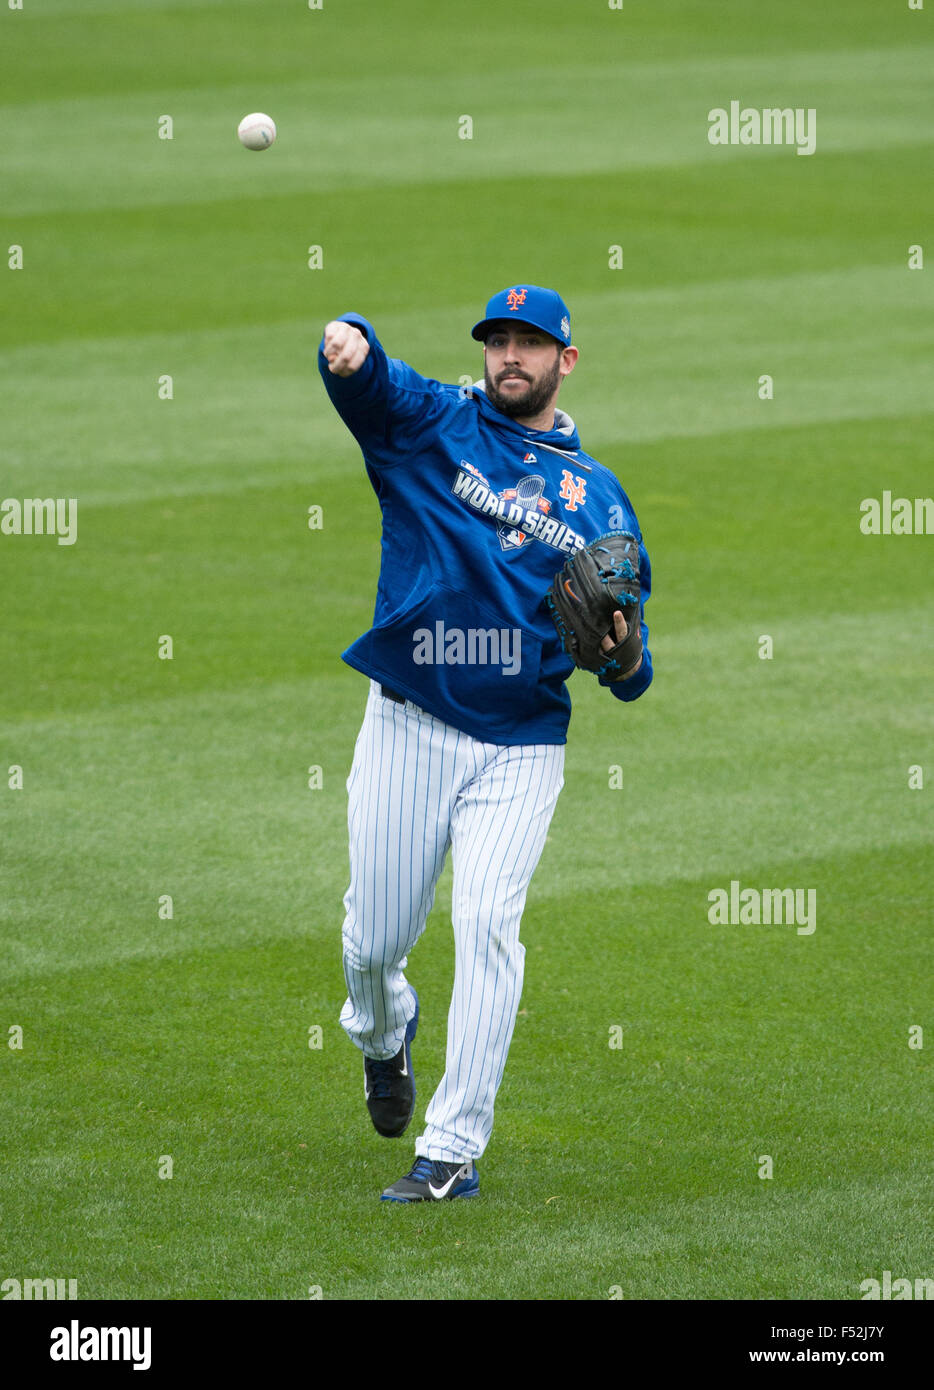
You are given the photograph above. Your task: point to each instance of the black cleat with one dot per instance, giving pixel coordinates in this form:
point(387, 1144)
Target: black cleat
point(430, 1180)
point(389, 1086)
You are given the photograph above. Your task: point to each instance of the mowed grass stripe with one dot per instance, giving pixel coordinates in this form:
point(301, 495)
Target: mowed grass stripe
point(187, 267)
point(866, 929)
point(744, 999)
point(758, 1244)
point(737, 1041)
point(815, 652)
point(733, 765)
point(248, 406)
point(104, 151)
point(119, 45)
point(812, 476)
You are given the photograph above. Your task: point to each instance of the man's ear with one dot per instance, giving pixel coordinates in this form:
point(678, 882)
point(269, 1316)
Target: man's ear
point(569, 356)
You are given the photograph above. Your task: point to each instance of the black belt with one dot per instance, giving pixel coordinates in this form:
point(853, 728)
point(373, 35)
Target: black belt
point(392, 694)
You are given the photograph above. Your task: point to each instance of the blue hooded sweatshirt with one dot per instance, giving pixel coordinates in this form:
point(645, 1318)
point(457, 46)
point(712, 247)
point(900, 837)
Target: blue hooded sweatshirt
point(478, 515)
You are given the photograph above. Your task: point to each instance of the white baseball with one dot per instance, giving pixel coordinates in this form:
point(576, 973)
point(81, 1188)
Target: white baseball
point(257, 131)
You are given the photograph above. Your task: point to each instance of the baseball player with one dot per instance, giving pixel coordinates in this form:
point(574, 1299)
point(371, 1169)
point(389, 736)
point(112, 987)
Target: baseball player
point(485, 494)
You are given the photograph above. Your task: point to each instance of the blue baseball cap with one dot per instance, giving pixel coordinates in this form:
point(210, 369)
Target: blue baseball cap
point(544, 309)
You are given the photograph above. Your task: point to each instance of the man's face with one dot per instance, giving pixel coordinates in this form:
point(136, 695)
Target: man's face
point(522, 368)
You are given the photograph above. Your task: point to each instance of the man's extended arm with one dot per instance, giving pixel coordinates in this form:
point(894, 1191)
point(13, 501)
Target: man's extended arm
point(378, 398)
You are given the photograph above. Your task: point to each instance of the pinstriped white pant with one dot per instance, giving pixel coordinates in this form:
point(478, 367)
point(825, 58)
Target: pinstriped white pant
point(418, 787)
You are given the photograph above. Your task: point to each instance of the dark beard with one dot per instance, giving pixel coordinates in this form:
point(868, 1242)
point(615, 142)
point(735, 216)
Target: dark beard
point(535, 399)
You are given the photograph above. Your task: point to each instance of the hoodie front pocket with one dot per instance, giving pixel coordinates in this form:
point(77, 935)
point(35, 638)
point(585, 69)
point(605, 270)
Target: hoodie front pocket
point(462, 657)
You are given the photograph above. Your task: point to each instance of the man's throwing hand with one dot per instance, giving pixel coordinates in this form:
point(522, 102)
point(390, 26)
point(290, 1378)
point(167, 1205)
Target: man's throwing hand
point(345, 348)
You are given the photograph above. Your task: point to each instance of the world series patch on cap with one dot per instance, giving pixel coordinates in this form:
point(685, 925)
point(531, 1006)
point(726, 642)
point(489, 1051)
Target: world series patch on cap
point(544, 309)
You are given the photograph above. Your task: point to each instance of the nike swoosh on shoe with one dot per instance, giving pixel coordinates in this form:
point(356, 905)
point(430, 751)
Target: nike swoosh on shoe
point(439, 1193)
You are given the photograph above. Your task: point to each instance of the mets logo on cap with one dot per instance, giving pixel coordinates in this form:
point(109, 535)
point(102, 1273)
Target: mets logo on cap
point(531, 304)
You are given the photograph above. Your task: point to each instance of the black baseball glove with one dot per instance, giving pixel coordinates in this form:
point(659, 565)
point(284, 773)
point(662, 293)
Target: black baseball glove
point(597, 582)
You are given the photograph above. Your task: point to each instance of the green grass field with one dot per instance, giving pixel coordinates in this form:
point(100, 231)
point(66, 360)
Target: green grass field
point(635, 1168)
